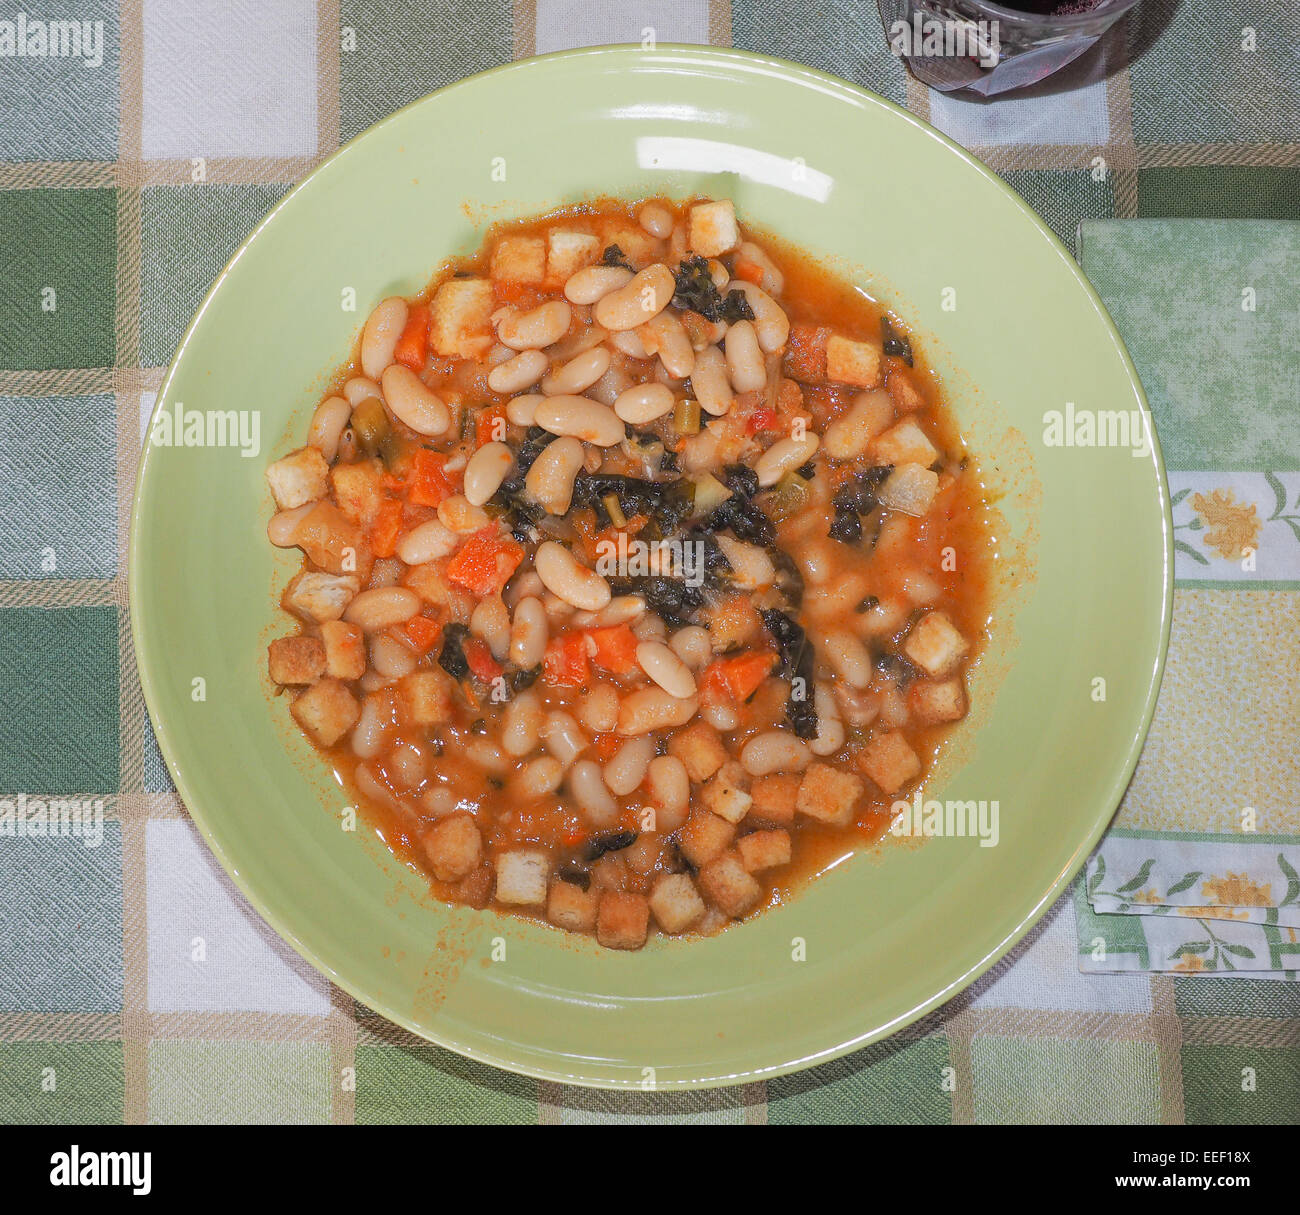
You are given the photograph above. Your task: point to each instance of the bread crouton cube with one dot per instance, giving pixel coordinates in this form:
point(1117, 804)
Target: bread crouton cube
point(572, 908)
point(828, 795)
point(345, 649)
point(805, 353)
point(726, 795)
point(359, 490)
point(937, 700)
point(910, 488)
point(427, 695)
point(454, 846)
point(727, 884)
point(638, 247)
point(764, 849)
point(319, 597)
point(326, 711)
point(522, 877)
point(296, 659)
point(622, 920)
point(700, 749)
point(889, 761)
point(712, 229)
point(904, 443)
point(675, 902)
point(704, 837)
point(774, 798)
point(331, 540)
point(299, 478)
point(519, 259)
point(567, 252)
point(903, 388)
point(934, 644)
point(850, 362)
point(459, 326)
point(475, 889)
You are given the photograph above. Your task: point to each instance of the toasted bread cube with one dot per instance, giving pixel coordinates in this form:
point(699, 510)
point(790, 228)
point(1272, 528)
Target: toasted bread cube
point(301, 477)
point(934, 644)
point(359, 490)
point(890, 761)
point(937, 700)
point(331, 540)
point(828, 795)
point(712, 229)
point(522, 876)
point(454, 846)
point(728, 885)
point(805, 353)
point(726, 795)
point(904, 443)
point(704, 837)
point(475, 889)
point(764, 849)
point(774, 798)
point(460, 324)
point(427, 695)
point(345, 649)
point(850, 362)
point(622, 920)
point(568, 252)
point(700, 749)
point(639, 248)
point(519, 259)
point(296, 659)
point(572, 908)
point(675, 902)
point(319, 597)
point(326, 711)
point(910, 488)
point(903, 388)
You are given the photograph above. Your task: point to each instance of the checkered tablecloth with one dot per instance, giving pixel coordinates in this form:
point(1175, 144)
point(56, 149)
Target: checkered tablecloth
point(135, 984)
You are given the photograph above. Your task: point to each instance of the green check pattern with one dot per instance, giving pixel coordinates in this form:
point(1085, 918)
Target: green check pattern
point(124, 186)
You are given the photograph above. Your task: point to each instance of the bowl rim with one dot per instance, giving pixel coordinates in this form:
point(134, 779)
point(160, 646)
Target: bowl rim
point(667, 54)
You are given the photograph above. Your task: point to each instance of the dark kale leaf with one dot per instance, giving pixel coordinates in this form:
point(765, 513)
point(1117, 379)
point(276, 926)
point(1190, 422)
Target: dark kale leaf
point(613, 256)
point(451, 658)
point(897, 347)
point(697, 292)
point(608, 841)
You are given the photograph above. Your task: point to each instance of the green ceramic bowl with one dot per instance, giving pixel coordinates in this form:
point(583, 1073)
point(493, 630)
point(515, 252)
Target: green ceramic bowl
point(1084, 545)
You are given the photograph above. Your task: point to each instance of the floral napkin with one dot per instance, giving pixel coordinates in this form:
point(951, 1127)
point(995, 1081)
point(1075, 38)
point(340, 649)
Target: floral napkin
point(1200, 871)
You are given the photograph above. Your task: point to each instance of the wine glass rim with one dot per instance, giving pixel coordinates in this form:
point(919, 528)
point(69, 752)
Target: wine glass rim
point(1104, 7)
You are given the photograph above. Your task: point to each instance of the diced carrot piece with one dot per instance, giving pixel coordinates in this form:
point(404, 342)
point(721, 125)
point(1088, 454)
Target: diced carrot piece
point(481, 663)
point(487, 427)
point(429, 483)
point(751, 272)
point(387, 527)
point(485, 561)
point(423, 632)
point(739, 677)
point(566, 663)
point(413, 346)
point(606, 745)
point(615, 649)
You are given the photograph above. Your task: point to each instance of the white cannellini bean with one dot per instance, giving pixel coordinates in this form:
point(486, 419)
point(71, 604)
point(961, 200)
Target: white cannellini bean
point(372, 724)
point(282, 530)
point(549, 482)
point(578, 374)
point(459, 515)
point(589, 791)
point(666, 336)
point(652, 708)
point(719, 711)
point(427, 542)
point(405, 394)
point(486, 469)
point(646, 295)
point(752, 567)
point(379, 335)
point(626, 768)
point(521, 723)
point(670, 790)
point(643, 403)
point(744, 358)
point(830, 726)
point(691, 645)
point(785, 455)
point(773, 280)
point(529, 633)
point(849, 435)
point(538, 777)
point(390, 657)
point(618, 610)
point(563, 737)
point(490, 622)
point(850, 659)
point(327, 425)
point(593, 283)
point(382, 607)
point(710, 383)
point(774, 751)
point(656, 219)
point(518, 371)
point(629, 343)
point(771, 325)
point(665, 668)
point(598, 710)
point(582, 418)
point(359, 388)
point(522, 410)
point(649, 627)
point(541, 326)
point(567, 578)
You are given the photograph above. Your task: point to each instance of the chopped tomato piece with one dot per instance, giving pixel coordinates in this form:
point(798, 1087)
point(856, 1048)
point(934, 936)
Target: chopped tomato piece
point(761, 419)
point(485, 561)
point(481, 663)
point(489, 425)
point(567, 664)
point(615, 649)
point(423, 632)
point(387, 527)
point(607, 744)
point(751, 272)
point(429, 483)
point(740, 676)
point(413, 346)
